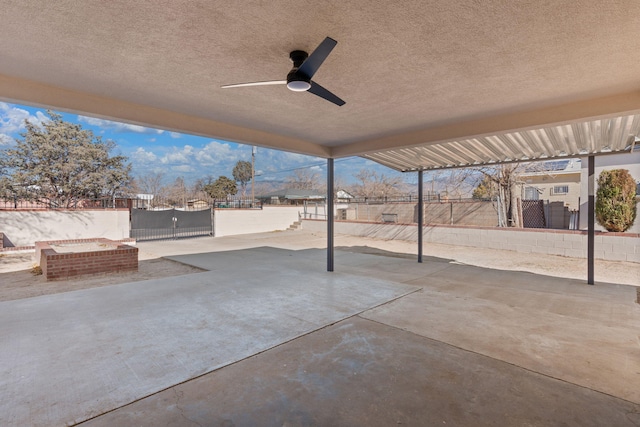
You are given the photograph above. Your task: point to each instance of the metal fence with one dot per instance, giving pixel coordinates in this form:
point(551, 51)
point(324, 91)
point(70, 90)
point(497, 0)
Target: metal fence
point(409, 198)
point(9, 203)
point(159, 203)
point(170, 224)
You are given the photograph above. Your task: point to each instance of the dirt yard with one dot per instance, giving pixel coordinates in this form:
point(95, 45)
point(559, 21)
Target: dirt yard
point(18, 281)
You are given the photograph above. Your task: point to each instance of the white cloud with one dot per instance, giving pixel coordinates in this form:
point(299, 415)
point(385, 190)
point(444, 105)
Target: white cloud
point(12, 119)
point(175, 135)
point(179, 155)
point(183, 168)
point(276, 161)
point(143, 156)
point(117, 126)
point(217, 153)
point(6, 139)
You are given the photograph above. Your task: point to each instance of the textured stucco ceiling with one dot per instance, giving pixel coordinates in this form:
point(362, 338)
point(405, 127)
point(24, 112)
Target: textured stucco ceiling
point(411, 72)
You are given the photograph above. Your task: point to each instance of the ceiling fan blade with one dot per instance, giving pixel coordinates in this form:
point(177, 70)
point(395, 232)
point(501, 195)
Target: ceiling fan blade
point(318, 90)
point(317, 57)
point(271, 82)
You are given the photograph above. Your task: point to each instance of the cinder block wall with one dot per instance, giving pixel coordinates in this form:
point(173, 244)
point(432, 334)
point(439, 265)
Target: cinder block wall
point(570, 243)
point(459, 213)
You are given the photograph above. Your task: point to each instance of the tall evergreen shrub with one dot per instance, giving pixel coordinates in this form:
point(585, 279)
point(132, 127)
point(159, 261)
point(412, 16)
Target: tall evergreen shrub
point(616, 200)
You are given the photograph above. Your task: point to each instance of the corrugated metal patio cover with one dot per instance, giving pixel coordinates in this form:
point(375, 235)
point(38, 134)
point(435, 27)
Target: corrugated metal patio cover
point(594, 137)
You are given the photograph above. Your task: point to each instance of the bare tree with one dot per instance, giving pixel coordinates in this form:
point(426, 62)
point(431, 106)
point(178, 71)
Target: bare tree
point(151, 183)
point(262, 187)
point(177, 193)
point(454, 183)
point(303, 179)
point(338, 184)
point(373, 185)
point(505, 179)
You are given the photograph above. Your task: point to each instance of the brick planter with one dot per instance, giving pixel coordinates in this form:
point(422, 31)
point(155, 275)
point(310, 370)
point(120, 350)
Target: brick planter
point(55, 266)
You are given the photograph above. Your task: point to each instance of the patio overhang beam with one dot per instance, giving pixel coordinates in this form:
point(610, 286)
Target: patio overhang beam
point(37, 94)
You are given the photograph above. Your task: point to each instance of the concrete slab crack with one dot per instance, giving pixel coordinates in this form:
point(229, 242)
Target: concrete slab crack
point(178, 396)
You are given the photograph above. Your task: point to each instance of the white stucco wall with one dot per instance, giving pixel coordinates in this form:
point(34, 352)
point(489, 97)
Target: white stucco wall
point(628, 161)
point(23, 228)
point(229, 222)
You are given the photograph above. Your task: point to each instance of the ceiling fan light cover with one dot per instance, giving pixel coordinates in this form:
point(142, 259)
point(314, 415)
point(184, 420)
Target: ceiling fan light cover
point(298, 85)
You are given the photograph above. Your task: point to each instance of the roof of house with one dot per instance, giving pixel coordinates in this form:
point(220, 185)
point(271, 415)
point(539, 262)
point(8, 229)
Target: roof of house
point(342, 194)
point(293, 194)
point(553, 167)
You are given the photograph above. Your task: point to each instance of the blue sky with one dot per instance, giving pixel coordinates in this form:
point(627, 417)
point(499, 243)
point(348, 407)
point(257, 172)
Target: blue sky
point(179, 155)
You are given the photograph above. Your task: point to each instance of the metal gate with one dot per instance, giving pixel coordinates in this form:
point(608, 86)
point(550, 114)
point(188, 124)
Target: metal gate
point(170, 224)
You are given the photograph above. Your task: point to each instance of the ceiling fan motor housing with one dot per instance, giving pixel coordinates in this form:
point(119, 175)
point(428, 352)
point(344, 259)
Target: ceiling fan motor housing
point(295, 81)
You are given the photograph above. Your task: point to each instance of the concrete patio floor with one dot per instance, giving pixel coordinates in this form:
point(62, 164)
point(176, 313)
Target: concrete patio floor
point(268, 337)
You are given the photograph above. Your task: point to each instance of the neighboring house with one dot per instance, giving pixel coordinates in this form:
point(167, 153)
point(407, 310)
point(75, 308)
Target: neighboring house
point(142, 201)
point(291, 196)
point(554, 181)
point(628, 161)
point(344, 197)
point(197, 204)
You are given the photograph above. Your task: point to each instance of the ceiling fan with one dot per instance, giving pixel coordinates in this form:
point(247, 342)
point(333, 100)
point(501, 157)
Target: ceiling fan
point(304, 68)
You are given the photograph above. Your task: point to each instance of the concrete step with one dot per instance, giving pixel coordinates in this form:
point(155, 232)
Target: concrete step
point(295, 226)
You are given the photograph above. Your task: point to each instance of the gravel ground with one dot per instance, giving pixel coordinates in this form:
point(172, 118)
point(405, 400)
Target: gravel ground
point(618, 272)
point(18, 281)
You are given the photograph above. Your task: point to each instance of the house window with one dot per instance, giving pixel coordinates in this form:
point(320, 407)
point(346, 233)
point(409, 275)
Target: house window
point(560, 189)
point(531, 193)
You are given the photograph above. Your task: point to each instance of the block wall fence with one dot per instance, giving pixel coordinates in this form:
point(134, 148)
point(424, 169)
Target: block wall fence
point(21, 228)
point(569, 243)
point(229, 222)
point(25, 227)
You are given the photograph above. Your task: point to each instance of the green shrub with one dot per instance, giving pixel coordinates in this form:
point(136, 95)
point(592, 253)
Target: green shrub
point(616, 200)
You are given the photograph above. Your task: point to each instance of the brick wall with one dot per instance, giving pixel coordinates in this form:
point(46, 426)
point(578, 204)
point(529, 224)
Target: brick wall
point(64, 265)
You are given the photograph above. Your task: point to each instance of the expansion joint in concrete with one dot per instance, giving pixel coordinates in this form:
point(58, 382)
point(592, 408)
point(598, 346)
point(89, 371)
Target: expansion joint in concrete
point(499, 360)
